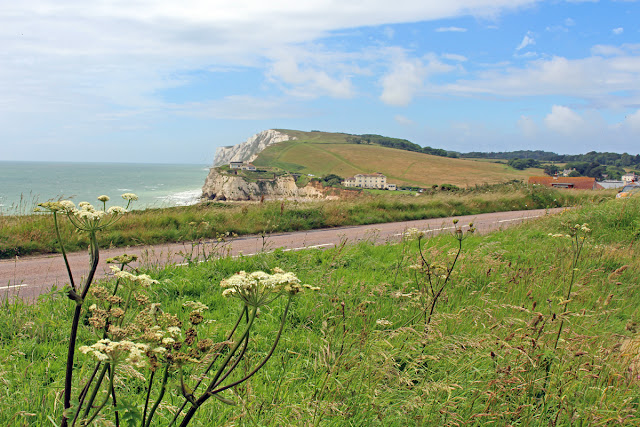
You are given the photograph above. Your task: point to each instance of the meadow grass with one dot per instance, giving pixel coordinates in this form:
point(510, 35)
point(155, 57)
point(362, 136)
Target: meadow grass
point(33, 234)
point(359, 352)
point(401, 167)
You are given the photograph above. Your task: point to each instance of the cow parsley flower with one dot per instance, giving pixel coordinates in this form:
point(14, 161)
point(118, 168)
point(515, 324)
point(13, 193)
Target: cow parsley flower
point(116, 210)
point(260, 288)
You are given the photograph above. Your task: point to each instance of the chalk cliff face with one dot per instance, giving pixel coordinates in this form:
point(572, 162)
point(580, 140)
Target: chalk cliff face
point(224, 187)
point(248, 151)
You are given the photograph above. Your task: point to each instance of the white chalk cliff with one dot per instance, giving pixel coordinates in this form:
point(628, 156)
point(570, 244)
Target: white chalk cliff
point(226, 187)
point(248, 151)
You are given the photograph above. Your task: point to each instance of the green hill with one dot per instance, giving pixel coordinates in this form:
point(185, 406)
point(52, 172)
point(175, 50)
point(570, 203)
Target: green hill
point(323, 153)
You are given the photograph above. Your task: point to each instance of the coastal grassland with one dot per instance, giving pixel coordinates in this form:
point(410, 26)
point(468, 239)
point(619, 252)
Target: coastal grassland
point(401, 167)
point(358, 352)
point(33, 234)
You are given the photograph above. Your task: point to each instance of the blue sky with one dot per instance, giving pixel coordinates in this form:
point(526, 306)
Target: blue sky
point(168, 82)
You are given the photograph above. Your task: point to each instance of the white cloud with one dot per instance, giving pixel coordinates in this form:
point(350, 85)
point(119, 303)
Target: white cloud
point(618, 31)
point(407, 77)
point(405, 121)
point(454, 57)
point(307, 80)
point(602, 82)
point(527, 40)
point(606, 50)
point(564, 120)
point(451, 30)
point(569, 22)
point(403, 82)
point(526, 55)
point(70, 50)
point(243, 107)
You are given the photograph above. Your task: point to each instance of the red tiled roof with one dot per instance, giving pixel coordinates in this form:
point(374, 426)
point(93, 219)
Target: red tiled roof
point(580, 183)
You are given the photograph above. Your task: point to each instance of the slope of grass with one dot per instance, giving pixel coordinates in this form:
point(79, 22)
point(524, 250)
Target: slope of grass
point(358, 351)
point(319, 153)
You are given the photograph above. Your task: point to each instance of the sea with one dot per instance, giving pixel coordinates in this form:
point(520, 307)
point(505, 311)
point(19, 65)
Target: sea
point(25, 184)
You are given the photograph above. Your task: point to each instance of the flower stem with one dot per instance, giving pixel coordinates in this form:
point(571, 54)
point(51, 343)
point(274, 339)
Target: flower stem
point(163, 387)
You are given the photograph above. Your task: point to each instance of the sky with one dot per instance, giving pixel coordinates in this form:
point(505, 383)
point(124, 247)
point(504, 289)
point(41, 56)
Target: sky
point(165, 81)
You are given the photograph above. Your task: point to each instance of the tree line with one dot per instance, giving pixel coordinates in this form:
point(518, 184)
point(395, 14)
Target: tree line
point(400, 144)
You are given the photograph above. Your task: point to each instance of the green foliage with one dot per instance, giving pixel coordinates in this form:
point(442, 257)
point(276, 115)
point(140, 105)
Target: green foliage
point(606, 158)
point(522, 164)
point(358, 353)
point(331, 180)
point(29, 234)
point(591, 169)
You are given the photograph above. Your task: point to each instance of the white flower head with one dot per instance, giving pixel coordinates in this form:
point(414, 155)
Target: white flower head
point(259, 288)
point(116, 210)
point(129, 196)
point(103, 198)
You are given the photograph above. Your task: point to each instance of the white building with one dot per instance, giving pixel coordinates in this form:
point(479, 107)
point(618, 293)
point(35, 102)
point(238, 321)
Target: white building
point(629, 178)
point(369, 180)
point(242, 166)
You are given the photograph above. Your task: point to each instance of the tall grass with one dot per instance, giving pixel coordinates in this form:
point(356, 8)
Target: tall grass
point(31, 234)
point(354, 353)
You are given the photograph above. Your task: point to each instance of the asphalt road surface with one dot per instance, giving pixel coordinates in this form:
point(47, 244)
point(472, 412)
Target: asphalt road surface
point(30, 276)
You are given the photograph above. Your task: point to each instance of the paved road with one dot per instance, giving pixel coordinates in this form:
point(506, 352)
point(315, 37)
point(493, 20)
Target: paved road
point(28, 277)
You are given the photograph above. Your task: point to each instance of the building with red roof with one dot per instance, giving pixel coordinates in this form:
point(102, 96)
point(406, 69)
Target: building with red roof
point(578, 183)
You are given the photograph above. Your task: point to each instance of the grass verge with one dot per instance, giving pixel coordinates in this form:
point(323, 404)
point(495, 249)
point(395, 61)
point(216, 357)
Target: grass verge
point(33, 234)
point(358, 353)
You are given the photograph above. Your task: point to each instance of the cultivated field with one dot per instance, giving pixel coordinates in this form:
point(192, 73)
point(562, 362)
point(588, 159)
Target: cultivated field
point(320, 157)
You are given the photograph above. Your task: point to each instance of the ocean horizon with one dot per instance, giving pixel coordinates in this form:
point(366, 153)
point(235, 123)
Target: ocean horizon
point(24, 184)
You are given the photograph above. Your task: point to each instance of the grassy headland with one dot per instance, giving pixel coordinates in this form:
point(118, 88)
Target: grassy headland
point(358, 352)
point(33, 234)
point(322, 153)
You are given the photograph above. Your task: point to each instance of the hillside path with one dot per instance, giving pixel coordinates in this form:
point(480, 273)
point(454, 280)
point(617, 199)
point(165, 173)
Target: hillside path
point(28, 277)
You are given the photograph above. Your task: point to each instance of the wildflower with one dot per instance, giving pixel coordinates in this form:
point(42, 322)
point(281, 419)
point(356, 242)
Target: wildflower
point(384, 322)
point(100, 292)
point(116, 312)
point(557, 235)
point(414, 233)
point(129, 196)
point(51, 206)
point(195, 306)
point(173, 330)
point(260, 288)
point(115, 351)
point(205, 344)
point(196, 318)
point(67, 205)
point(143, 280)
point(103, 198)
point(116, 210)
